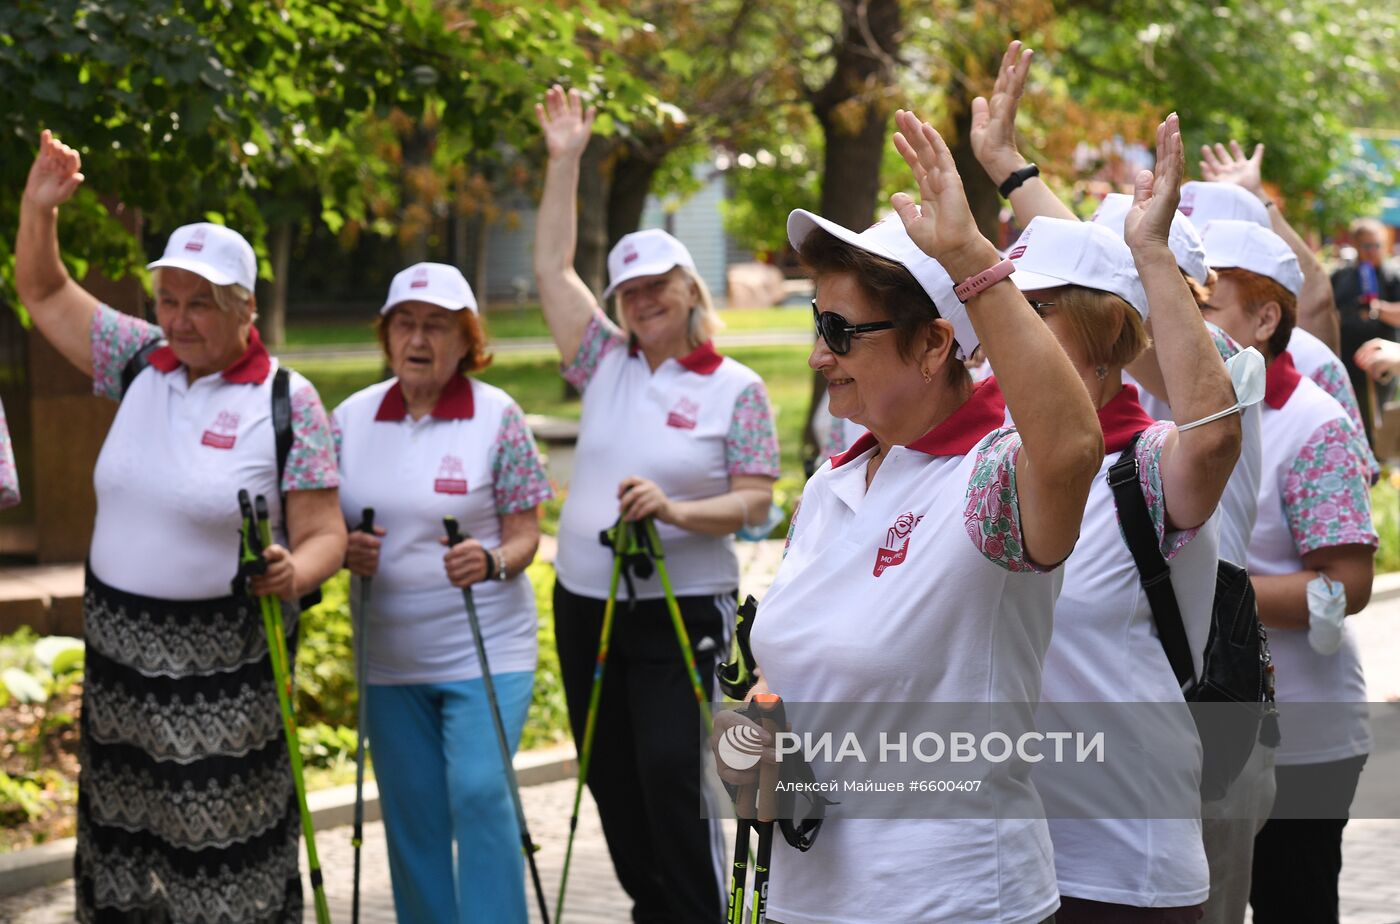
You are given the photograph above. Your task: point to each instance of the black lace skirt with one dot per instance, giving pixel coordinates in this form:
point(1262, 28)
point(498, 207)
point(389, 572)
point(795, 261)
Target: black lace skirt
point(186, 808)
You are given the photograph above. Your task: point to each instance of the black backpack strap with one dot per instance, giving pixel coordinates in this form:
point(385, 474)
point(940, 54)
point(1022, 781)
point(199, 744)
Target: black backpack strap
point(136, 364)
point(282, 418)
point(1153, 570)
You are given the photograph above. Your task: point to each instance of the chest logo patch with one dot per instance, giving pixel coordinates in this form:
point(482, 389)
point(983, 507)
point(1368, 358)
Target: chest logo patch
point(223, 433)
point(896, 543)
point(684, 415)
point(451, 476)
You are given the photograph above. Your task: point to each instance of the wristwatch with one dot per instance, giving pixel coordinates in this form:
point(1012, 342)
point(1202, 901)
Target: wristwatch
point(499, 560)
point(1017, 177)
point(983, 280)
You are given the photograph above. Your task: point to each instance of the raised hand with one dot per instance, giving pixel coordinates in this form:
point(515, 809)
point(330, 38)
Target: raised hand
point(941, 223)
point(566, 125)
point(55, 175)
point(993, 133)
point(1221, 166)
point(1155, 195)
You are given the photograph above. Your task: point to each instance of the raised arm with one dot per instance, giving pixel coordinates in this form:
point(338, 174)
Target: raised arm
point(993, 137)
point(568, 303)
point(62, 309)
point(1061, 443)
point(1195, 464)
point(1317, 309)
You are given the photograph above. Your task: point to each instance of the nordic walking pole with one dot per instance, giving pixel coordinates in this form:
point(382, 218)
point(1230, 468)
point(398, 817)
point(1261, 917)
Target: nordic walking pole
point(594, 696)
point(527, 844)
point(361, 668)
point(256, 536)
point(770, 708)
point(647, 531)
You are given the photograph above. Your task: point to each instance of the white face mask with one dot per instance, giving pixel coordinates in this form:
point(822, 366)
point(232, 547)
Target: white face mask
point(1248, 376)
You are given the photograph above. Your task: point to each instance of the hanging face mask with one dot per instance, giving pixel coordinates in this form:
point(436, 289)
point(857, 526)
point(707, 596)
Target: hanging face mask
point(1247, 374)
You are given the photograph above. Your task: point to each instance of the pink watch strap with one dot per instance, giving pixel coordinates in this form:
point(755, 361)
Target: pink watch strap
point(984, 280)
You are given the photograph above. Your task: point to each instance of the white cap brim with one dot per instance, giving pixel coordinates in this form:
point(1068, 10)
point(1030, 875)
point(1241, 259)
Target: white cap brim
point(194, 266)
point(801, 223)
point(655, 268)
point(1028, 281)
point(429, 299)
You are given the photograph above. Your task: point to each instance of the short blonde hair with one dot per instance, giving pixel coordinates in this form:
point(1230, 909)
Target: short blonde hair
point(704, 321)
point(232, 298)
point(1106, 328)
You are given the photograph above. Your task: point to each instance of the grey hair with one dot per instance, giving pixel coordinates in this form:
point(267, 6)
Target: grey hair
point(704, 320)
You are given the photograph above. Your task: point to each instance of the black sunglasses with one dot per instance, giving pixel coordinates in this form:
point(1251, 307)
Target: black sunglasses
point(1039, 307)
point(836, 330)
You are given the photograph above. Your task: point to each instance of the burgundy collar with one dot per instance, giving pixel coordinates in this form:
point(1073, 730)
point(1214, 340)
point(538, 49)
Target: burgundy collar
point(703, 360)
point(1121, 418)
point(455, 402)
point(249, 369)
point(1280, 380)
point(963, 429)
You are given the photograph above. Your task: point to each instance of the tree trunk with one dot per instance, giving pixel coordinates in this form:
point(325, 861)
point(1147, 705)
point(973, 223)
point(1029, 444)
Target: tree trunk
point(982, 196)
point(274, 319)
point(594, 189)
point(853, 111)
point(627, 198)
point(417, 209)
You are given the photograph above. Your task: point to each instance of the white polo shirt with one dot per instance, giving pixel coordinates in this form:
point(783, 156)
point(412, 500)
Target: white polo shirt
point(689, 427)
point(1315, 495)
point(1315, 360)
point(1106, 650)
point(915, 590)
point(168, 475)
point(1239, 505)
point(472, 458)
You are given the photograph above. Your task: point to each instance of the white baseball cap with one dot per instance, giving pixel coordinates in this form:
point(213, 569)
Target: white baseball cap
point(219, 254)
point(1183, 239)
point(887, 238)
point(1055, 252)
point(645, 253)
point(434, 283)
point(1233, 244)
point(1204, 202)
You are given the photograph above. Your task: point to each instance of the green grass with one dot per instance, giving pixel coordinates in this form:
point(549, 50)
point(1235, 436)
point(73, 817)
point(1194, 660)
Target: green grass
point(527, 323)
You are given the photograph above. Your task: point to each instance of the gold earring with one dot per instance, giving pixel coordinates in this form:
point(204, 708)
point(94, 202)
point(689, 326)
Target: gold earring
point(927, 378)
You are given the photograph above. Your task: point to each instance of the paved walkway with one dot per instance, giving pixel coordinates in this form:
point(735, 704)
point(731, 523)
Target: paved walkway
point(1370, 886)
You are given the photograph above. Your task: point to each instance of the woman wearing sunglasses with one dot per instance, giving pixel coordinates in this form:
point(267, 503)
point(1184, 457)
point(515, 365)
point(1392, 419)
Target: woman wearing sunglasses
point(921, 564)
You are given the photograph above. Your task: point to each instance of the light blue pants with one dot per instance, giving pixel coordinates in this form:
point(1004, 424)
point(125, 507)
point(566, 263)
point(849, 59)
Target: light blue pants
point(438, 766)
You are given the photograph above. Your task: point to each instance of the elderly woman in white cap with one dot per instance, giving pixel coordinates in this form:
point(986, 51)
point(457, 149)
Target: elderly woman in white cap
point(1311, 557)
point(673, 431)
point(1094, 293)
point(186, 808)
point(430, 442)
point(921, 564)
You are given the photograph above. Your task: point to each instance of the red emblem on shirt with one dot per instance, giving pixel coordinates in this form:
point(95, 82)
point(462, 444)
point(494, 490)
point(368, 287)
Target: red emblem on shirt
point(224, 433)
point(451, 477)
point(684, 415)
point(889, 556)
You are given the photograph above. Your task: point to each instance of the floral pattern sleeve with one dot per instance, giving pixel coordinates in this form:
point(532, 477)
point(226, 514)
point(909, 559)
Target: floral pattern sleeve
point(1332, 377)
point(1149, 460)
point(1224, 345)
point(751, 446)
point(311, 464)
point(9, 478)
point(599, 339)
point(517, 472)
point(1326, 493)
point(992, 514)
point(116, 337)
